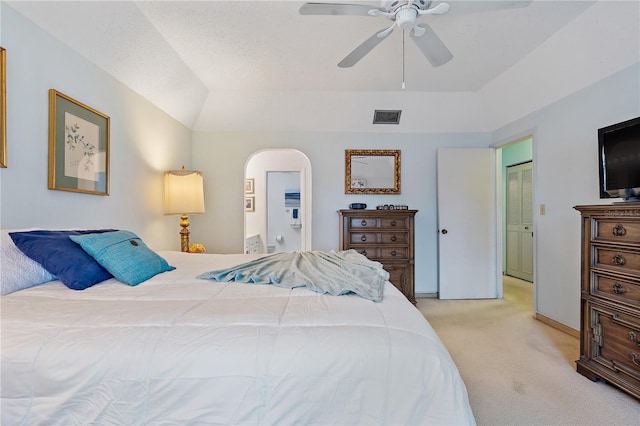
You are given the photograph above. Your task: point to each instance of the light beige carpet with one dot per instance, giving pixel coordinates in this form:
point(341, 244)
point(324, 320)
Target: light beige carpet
point(519, 371)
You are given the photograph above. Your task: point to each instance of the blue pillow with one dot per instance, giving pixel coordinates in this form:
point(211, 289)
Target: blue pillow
point(124, 255)
point(61, 256)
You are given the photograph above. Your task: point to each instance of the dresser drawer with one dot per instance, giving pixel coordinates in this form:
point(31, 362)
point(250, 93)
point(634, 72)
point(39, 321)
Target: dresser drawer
point(363, 222)
point(620, 260)
point(614, 288)
point(394, 238)
point(402, 223)
point(369, 251)
point(387, 253)
point(363, 238)
point(619, 230)
point(615, 340)
point(394, 223)
point(380, 238)
point(383, 253)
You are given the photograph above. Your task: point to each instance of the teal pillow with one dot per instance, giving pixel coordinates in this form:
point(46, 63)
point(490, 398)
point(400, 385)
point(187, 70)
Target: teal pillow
point(124, 255)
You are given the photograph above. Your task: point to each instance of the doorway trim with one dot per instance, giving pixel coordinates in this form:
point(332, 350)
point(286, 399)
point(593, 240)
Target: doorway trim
point(519, 137)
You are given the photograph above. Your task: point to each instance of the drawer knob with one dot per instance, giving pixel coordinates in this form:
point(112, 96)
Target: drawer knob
point(393, 223)
point(619, 260)
point(634, 338)
point(393, 253)
point(363, 238)
point(619, 230)
point(393, 238)
point(363, 223)
point(618, 288)
point(634, 358)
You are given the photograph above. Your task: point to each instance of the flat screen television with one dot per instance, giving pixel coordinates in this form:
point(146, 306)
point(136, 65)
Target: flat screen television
point(619, 155)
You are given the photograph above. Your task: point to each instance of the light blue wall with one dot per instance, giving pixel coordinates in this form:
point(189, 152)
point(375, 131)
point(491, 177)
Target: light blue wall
point(222, 156)
point(565, 146)
point(144, 142)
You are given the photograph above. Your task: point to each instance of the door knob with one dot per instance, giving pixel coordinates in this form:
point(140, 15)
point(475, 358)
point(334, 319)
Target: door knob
point(444, 231)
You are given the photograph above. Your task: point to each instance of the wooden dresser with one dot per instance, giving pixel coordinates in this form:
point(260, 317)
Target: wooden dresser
point(610, 295)
point(386, 236)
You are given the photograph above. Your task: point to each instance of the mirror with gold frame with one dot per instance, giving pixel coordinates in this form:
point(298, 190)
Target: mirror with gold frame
point(372, 171)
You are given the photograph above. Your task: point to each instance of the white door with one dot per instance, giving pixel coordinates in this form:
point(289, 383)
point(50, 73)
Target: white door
point(519, 216)
point(467, 246)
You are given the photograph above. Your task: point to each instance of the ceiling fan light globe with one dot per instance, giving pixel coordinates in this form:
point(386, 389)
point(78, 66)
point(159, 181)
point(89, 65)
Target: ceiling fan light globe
point(406, 18)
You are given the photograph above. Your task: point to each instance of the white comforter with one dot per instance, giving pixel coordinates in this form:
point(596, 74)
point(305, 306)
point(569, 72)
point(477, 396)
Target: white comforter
point(180, 350)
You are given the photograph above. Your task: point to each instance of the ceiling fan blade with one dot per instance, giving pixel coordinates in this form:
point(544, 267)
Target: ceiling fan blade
point(385, 33)
point(440, 9)
point(359, 52)
point(336, 9)
point(467, 7)
point(431, 46)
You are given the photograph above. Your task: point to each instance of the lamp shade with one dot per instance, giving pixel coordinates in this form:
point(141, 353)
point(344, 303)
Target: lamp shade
point(183, 192)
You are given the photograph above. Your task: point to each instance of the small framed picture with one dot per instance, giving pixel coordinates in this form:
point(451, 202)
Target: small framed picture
point(249, 205)
point(78, 146)
point(249, 186)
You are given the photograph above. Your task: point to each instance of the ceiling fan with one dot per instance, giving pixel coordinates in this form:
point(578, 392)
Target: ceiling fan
point(404, 14)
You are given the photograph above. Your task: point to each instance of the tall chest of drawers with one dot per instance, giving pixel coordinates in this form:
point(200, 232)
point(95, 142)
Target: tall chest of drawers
point(386, 236)
point(610, 295)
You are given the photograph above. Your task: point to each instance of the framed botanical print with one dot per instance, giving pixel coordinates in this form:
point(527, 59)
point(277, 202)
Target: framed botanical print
point(78, 146)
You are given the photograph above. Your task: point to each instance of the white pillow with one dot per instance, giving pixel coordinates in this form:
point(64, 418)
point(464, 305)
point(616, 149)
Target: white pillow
point(17, 271)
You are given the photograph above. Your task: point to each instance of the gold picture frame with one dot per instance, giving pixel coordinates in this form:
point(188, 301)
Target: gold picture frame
point(3, 107)
point(78, 146)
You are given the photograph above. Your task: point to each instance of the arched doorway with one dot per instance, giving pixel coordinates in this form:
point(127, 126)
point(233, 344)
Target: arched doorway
point(278, 201)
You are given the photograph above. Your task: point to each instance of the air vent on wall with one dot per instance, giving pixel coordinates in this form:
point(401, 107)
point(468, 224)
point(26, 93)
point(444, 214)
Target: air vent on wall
point(386, 116)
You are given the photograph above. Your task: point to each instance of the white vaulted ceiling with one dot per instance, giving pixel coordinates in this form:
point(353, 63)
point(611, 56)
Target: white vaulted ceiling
point(207, 63)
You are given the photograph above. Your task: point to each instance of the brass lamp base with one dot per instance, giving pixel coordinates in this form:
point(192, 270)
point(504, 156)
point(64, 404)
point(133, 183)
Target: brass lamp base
point(184, 233)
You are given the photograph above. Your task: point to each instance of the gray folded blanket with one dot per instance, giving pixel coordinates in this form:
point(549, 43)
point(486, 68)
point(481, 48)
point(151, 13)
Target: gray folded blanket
point(334, 273)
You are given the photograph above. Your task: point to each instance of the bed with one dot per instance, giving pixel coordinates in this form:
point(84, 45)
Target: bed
point(179, 350)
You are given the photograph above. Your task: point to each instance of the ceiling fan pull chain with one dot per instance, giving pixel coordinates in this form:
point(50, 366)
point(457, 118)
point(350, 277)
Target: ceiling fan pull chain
point(403, 31)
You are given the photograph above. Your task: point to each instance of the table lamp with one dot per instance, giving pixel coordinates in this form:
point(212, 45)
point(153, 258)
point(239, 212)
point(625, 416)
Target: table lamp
point(183, 195)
